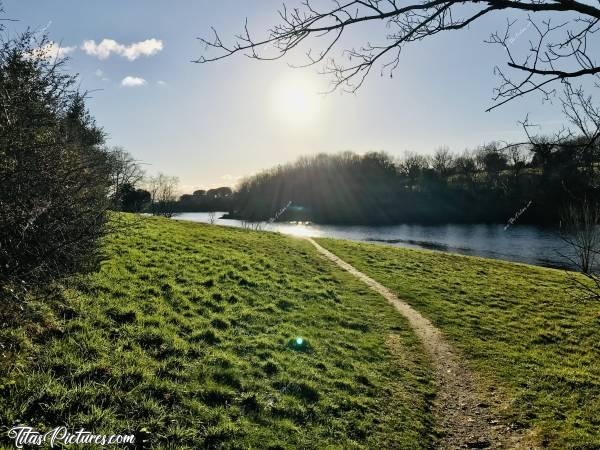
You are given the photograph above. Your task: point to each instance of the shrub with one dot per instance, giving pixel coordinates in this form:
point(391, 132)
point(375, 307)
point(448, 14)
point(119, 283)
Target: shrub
point(54, 171)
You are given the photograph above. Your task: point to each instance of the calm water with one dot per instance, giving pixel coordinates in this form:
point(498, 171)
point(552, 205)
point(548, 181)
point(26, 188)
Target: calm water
point(520, 243)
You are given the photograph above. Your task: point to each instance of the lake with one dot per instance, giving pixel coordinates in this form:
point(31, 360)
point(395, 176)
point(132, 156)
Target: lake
point(520, 243)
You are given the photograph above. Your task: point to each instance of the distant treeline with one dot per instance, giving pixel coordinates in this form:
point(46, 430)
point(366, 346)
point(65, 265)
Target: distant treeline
point(218, 199)
point(489, 184)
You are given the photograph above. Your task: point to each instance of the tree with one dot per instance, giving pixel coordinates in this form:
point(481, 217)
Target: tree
point(413, 165)
point(375, 189)
point(218, 199)
point(580, 230)
point(561, 49)
point(221, 192)
point(465, 166)
point(212, 217)
point(132, 199)
point(517, 158)
point(163, 194)
point(562, 35)
point(492, 160)
point(126, 171)
point(442, 160)
point(54, 171)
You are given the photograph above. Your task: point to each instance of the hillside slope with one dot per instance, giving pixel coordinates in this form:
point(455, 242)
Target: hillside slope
point(200, 336)
point(523, 329)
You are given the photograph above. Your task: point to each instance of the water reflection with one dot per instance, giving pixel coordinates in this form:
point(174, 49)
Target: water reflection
point(520, 243)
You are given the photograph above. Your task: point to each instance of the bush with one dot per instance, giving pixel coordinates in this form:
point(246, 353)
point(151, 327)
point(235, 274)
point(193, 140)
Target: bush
point(54, 171)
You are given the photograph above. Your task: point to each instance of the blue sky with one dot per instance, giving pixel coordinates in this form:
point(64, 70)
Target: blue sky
point(211, 124)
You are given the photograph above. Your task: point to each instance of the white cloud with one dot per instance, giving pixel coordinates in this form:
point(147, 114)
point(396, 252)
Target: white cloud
point(106, 47)
point(51, 51)
point(130, 81)
point(102, 50)
point(148, 47)
point(161, 83)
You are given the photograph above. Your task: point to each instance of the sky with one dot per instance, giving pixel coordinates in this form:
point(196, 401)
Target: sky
point(212, 124)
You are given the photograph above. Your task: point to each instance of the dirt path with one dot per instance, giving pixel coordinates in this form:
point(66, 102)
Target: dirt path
point(463, 414)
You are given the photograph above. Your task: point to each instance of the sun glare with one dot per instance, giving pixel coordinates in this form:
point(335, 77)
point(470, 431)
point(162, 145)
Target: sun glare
point(295, 101)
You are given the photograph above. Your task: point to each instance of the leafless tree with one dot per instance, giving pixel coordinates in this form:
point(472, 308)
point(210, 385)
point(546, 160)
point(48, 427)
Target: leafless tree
point(582, 112)
point(126, 170)
point(412, 165)
point(163, 193)
point(465, 166)
point(580, 230)
point(442, 160)
point(561, 44)
point(212, 217)
point(517, 156)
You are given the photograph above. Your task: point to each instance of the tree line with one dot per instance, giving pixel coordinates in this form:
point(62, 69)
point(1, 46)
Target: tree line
point(486, 185)
point(158, 195)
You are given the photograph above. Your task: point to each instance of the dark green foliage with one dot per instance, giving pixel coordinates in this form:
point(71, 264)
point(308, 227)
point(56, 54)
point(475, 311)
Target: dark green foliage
point(218, 199)
point(132, 199)
point(54, 174)
point(487, 185)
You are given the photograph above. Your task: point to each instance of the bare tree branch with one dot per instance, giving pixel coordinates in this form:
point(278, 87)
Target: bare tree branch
point(557, 52)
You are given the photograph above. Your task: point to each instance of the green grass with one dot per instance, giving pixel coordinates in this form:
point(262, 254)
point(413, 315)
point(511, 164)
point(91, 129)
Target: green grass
point(186, 337)
point(520, 327)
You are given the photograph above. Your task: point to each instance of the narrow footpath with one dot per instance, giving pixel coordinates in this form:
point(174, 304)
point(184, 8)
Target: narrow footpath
point(463, 414)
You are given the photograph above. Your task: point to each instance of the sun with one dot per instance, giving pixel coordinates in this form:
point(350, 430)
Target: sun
point(295, 101)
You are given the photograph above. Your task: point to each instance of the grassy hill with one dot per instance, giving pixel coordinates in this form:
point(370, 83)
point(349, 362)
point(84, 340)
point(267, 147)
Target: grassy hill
point(520, 326)
point(200, 336)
